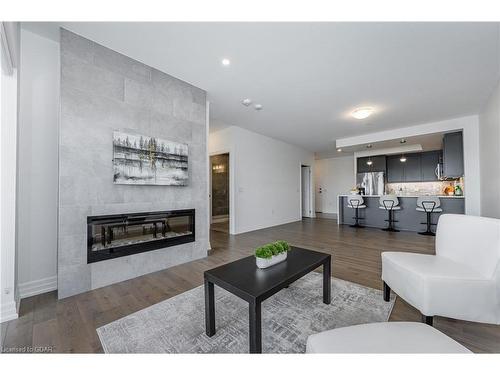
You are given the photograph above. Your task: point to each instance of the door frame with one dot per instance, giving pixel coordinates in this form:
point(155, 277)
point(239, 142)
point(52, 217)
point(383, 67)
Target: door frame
point(231, 186)
point(311, 191)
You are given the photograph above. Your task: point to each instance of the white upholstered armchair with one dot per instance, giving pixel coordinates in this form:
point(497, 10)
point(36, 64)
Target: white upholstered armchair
point(462, 281)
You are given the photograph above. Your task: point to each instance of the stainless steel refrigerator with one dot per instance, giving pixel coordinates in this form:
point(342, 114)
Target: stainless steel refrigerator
point(372, 182)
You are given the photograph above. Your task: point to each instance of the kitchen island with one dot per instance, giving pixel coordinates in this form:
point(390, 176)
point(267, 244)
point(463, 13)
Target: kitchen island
point(408, 218)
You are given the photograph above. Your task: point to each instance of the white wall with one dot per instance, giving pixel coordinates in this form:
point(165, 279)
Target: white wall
point(38, 164)
point(470, 127)
point(334, 176)
point(489, 138)
point(8, 150)
point(265, 176)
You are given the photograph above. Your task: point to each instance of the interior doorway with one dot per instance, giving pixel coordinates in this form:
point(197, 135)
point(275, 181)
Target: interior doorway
point(219, 192)
point(306, 186)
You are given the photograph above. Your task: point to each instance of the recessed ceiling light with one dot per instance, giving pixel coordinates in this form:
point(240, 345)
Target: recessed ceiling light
point(339, 150)
point(246, 102)
point(226, 62)
point(258, 107)
point(362, 113)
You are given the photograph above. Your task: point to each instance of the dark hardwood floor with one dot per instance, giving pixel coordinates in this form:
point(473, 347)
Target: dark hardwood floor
point(69, 325)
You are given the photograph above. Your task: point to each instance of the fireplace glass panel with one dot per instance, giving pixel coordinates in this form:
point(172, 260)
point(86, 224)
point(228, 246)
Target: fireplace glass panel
point(117, 235)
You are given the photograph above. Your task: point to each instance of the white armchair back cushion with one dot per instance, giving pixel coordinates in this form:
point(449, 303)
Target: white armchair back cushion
point(470, 240)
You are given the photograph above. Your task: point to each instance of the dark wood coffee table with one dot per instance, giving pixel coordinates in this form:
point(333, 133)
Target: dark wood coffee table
point(254, 285)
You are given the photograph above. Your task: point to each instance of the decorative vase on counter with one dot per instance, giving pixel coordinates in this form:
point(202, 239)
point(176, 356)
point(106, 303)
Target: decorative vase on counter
point(449, 190)
point(271, 254)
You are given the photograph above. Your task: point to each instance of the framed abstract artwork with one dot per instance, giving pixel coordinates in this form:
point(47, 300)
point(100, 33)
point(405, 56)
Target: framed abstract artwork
point(143, 160)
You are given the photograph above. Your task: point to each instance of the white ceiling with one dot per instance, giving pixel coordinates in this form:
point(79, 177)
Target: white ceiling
point(427, 142)
point(310, 76)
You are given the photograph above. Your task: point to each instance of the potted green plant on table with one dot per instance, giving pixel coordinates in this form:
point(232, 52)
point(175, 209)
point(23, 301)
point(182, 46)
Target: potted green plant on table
point(272, 253)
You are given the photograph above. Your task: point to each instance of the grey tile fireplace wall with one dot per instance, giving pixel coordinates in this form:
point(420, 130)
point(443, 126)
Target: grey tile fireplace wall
point(103, 91)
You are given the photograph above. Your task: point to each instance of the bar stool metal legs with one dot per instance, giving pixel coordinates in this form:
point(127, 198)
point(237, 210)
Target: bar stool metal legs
point(356, 219)
point(356, 202)
point(391, 221)
point(428, 231)
point(429, 206)
point(389, 206)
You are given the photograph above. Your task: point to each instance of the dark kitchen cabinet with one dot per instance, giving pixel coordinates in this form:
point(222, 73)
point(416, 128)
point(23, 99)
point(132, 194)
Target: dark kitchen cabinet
point(378, 164)
point(361, 165)
point(453, 155)
point(395, 169)
point(430, 161)
point(418, 167)
point(412, 168)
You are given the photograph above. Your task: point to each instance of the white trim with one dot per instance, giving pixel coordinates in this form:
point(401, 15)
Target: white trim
point(232, 221)
point(266, 226)
point(33, 288)
point(8, 311)
point(8, 179)
point(328, 215)
point(312, 212)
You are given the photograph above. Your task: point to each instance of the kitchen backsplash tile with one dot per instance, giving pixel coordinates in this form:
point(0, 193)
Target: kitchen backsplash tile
point(421, 188)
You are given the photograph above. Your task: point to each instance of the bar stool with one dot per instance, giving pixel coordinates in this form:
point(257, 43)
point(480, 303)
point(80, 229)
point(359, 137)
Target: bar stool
point(356, 202)
point(390, 203)
point(428, 205)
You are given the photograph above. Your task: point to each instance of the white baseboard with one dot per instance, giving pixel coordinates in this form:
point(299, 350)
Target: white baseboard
point(327, 215)
point(33, 288)
point(8, 311)
point(265, 226)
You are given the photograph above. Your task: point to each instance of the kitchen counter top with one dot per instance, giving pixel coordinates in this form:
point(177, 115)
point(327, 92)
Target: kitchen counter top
point(408, 218)
point(411, 196)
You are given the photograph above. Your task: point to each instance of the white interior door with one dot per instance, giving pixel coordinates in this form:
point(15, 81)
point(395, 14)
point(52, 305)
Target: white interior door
point(306, 191)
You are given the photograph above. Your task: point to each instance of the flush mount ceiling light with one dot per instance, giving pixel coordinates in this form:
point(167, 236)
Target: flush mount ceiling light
point(369, 146)
point(246, 102)
point(258, 107)
point(402, 141)
point(402, 159)
point(226, 62)
point(362, 113)
point(339, 150)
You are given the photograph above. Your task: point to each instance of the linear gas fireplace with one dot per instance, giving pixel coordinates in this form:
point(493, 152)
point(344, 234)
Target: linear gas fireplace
point(113, 236)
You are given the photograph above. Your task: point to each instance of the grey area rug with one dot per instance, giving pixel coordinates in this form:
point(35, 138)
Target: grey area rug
point(177, 325)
